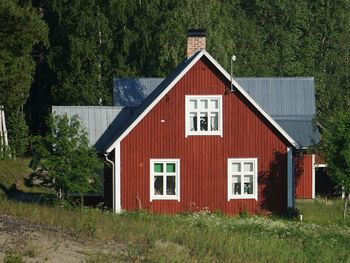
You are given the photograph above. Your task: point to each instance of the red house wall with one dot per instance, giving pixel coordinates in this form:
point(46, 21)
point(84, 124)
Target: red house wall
point(203, 159)
point(303, 176)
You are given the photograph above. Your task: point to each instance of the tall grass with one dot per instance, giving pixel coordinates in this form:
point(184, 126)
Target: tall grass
point(16, 172)
point(196, 237)
point(13, 170)
point(323, 211)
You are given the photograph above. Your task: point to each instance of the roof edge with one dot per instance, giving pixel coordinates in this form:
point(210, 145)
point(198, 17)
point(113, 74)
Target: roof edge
point(194, 58)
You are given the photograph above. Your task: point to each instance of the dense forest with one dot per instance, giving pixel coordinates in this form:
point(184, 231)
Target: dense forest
point(66, 52)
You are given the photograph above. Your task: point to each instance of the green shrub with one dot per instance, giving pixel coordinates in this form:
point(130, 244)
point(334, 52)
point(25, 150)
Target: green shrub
point(17, 133)
point(244, 214)
point(13, 258)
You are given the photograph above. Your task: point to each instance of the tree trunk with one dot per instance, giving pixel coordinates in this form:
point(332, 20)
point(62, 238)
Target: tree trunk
point(346, 199)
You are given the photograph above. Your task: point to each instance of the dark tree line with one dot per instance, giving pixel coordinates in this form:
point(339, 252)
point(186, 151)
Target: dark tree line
point(67, 52)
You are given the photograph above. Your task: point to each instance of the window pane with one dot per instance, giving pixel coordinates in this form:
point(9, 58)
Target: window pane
point(236, 184)
point(170, 185)
point(193, 121)
point(204, 121)
point(170, 167)
point(193, 104)
point(248, 167)
point(248, 184)
point(214, 104)
point(236, 167)
point(158, 167)
point(214, 121)
point(158, 185)
point(203, 104)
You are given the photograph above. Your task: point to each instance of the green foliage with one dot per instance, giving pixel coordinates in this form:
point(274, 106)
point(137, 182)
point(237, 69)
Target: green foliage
point(13, 258)
point(336, 148)
point(65, 153)
point(21, 29)
point(244, 214)
point(80, 52)
point(18, 134)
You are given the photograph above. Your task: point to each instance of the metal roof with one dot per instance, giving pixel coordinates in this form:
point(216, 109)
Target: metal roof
point(282, 96)
point(289, 101)
point(304, 131)
point(133, 91)
point(277, 96)
point(100, 122)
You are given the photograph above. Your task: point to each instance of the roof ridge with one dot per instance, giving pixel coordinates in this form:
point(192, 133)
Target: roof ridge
point(280, 78)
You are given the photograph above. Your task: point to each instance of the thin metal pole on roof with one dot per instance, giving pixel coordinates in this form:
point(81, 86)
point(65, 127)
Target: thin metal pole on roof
point(233, 58)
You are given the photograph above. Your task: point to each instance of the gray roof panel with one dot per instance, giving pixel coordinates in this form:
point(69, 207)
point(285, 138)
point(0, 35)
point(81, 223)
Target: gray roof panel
point(304, 131)
point(100, 122)
point(133, 91)
point(282, 96)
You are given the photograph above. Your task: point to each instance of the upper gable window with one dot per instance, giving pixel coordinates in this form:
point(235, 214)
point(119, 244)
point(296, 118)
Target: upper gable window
point(204, 115)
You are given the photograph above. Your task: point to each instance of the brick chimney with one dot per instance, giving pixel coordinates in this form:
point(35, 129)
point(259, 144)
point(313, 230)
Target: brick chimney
point(195, 40)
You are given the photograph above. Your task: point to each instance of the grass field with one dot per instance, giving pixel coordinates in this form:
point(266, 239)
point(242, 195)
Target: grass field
point(197, 237)
point(15, 172)
point(323, 211)
point(200, 237)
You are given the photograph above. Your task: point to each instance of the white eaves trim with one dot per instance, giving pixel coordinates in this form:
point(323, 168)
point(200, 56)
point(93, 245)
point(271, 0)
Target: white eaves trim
point(198, 56)
point(251, 100)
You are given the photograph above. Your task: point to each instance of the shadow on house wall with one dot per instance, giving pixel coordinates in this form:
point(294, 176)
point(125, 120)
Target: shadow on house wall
point(274, 194)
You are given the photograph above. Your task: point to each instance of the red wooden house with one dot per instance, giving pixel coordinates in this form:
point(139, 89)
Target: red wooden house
point(197, 142)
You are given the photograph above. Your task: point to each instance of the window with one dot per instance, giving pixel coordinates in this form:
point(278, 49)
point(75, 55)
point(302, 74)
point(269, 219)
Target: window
point(242, 179)
point(165, 179)
point(203, 115)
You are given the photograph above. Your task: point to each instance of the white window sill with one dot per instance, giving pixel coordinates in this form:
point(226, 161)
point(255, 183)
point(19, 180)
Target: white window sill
point(233, 197)
point(173, 198)
point(204, 134)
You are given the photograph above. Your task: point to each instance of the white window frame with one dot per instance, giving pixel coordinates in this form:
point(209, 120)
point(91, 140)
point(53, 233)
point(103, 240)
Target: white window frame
point(164, 173)
point(188, 132)
point(231, 195)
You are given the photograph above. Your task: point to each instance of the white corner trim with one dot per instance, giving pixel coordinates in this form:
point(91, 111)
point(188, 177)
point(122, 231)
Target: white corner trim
point(173, 83)
point(290, 191)
point(313, 177)
point(117, 181)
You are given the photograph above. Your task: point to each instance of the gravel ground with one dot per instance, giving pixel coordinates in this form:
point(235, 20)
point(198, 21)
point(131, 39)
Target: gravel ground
point(37, 243)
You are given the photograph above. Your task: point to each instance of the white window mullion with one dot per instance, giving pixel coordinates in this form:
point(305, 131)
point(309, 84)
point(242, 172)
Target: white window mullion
point(209, 121)
point(198, 121)
point(164, 185)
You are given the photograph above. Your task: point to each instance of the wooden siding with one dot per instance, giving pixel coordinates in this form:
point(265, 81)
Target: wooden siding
point(203, 171)
point(303, 176)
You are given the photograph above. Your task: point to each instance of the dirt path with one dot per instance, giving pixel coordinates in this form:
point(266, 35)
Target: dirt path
point(36, 243)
